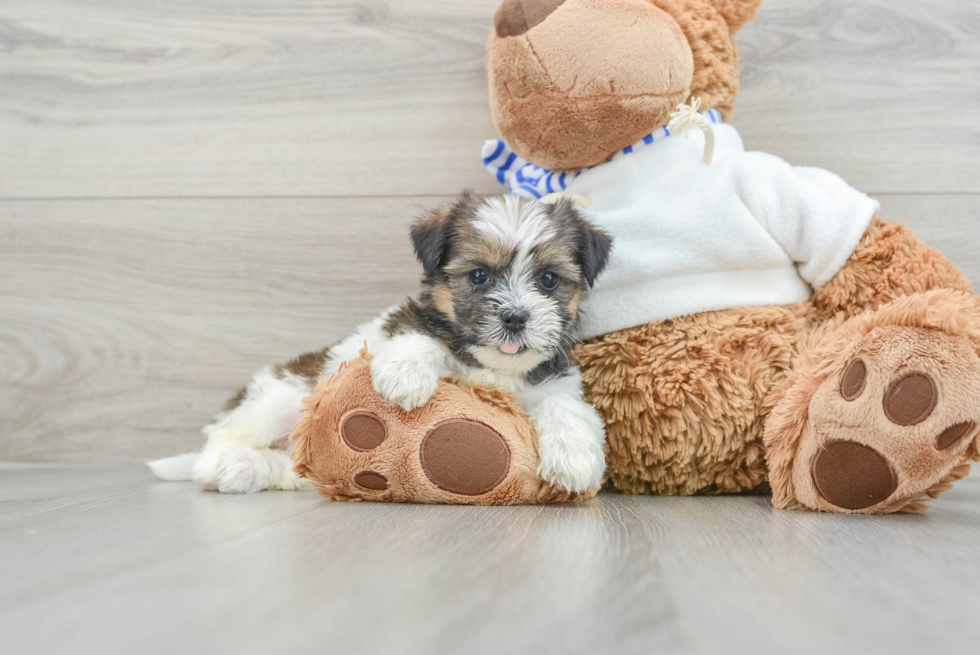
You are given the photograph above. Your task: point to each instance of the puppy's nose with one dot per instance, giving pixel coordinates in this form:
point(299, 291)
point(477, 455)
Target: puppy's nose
point(514, 319)
point(514, 17)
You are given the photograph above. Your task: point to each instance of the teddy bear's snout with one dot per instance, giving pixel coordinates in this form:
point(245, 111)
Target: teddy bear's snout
point(515, 17)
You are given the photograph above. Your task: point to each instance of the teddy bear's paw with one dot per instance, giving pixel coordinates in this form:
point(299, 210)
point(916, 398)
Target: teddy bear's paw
point(894, 423)
point(467, 445)
point(387, 460)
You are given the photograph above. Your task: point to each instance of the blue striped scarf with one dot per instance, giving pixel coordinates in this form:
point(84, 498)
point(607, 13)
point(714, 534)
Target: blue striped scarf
point(530, 181)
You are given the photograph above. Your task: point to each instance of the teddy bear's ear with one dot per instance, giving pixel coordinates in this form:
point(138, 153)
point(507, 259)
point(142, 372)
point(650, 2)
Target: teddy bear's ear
point(736, 12)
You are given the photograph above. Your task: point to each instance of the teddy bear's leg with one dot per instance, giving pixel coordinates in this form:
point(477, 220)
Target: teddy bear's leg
point(684, 400)
point(882, 411)
point(888, 263)
point(467, 445)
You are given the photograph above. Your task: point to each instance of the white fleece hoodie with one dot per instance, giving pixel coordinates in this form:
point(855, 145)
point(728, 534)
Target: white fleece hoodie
point(747, 229)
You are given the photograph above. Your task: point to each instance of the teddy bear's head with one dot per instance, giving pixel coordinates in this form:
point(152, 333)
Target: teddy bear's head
point(573, 81)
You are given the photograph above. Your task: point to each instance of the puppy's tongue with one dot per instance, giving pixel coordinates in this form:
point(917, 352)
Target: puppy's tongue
point(510, 347)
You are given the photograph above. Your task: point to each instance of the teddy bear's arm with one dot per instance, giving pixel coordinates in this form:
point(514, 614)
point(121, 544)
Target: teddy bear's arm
point(854, 261)
point(813, 215)
point(888, 262)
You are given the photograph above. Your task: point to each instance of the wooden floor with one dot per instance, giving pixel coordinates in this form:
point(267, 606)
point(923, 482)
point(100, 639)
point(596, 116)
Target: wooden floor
point(191, 190)
point(106, 560)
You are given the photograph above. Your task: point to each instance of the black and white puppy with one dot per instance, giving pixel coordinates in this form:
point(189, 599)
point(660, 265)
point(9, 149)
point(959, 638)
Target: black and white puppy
point(504, 281)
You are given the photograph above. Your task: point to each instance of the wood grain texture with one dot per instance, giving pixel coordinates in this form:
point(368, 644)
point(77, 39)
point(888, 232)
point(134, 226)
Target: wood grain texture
point(125, 324)
point(857, 87)
point(118, 98)
point(110, 561)
point(242, 98)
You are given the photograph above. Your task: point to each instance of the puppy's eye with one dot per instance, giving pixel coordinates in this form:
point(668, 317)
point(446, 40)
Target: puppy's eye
point(549, 280)
point(479, 276)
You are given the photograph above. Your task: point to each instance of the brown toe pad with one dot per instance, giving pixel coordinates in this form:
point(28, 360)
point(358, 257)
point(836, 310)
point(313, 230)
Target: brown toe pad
point(371, 480)
point(363, 431)
point(852, 476)
point(854, 380)
point(954, 433)
point(910, 399)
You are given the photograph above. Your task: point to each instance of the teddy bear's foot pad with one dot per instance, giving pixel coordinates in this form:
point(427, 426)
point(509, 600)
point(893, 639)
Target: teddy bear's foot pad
point(458, 455)
point(896, 422)
point(464, 457)
point(853, 476)
point(371, 481)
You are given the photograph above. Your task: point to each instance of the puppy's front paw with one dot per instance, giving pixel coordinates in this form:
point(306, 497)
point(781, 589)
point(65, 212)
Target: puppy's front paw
point(570, 438)
point(407, 373)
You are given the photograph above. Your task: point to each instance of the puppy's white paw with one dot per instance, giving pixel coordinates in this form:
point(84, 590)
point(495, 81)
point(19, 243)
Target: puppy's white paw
point(233, 471)
point(242, 471)
point(205, 471)
point(570, 438)
point(406, 373)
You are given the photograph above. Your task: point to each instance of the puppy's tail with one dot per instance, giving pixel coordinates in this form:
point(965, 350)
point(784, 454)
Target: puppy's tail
point(178, 467)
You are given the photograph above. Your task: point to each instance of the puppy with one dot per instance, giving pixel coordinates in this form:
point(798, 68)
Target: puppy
point(504, 279)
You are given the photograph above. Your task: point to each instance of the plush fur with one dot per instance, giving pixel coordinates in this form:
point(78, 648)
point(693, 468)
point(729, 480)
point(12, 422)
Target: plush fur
point(684, 400)
point(503, 283)
point(888, 263)
point(748, 397)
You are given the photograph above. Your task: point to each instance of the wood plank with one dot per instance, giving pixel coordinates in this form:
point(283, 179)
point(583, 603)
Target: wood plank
point(125, 324)
point(128, 563)
point(856, 86)
point(301, 97)
point(244, 98)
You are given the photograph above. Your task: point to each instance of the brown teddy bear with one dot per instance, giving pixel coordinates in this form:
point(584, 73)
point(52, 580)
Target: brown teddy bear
point(757, 324)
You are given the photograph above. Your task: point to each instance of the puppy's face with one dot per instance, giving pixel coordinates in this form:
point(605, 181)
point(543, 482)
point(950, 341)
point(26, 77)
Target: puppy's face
point(509, 275)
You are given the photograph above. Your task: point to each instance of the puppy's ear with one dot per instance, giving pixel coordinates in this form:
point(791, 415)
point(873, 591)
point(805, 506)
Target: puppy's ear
point(594, 251)
point(592, 243)
point(430, 235)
